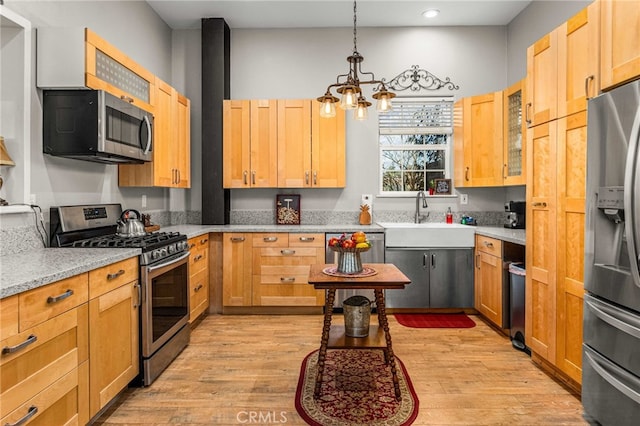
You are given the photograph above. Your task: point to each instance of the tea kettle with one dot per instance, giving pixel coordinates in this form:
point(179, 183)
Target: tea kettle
point(130, 227)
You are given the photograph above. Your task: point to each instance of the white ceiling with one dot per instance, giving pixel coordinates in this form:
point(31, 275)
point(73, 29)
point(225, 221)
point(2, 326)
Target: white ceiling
point(186, 14)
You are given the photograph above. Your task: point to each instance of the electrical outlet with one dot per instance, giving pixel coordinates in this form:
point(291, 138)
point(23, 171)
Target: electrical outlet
point(464, 199)
point(144, 201)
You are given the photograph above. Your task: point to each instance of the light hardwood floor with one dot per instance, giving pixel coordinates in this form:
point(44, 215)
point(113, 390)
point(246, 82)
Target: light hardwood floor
point(241, 366)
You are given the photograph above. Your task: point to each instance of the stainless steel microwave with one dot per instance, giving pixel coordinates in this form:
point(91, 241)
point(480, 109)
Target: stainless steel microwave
point(94, 125)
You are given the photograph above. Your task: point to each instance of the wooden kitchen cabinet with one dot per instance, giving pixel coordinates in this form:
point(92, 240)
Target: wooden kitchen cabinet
point(74, 58)
point(620, 42)
point(479, 139)
point(572, 163)
point(171, 164)
point(488, 279)
point(250, 144)
point(236, 269)
point(198, 276)
point(514, 135)
point(541, 250)
point(542, 80)
point(280, 267)
point(44, 362)
point(114, 294)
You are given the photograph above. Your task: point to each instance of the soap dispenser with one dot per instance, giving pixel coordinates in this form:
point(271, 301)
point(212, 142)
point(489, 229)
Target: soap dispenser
point(449, 215)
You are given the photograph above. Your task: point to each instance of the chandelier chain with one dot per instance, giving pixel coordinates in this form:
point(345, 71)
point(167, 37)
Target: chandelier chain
point(355, 47)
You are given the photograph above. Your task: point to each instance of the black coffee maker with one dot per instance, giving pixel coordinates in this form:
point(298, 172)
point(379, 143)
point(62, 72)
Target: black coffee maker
point(515, 214)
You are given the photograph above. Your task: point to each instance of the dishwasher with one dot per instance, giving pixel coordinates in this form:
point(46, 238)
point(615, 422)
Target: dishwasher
point(374, 255)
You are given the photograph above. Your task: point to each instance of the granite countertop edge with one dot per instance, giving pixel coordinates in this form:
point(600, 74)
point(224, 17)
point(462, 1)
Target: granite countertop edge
point(196, 230)
point(29, 270)
point(516, 236)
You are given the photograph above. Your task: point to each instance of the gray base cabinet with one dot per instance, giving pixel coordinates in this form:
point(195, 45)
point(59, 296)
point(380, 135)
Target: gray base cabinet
point(440, 278)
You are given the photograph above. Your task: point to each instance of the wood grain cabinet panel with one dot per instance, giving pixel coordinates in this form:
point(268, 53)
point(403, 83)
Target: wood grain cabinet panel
point(488, 279)
point(542, 80)
point(198, 276)
point(620, 42)
point(236, 269)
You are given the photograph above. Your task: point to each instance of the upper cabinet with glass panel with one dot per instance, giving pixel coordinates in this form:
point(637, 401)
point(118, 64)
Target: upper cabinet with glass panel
point(415, 145)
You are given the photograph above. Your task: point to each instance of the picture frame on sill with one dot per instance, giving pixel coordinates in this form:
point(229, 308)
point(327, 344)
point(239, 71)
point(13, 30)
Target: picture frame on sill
point(288, 209)
point(443, 187)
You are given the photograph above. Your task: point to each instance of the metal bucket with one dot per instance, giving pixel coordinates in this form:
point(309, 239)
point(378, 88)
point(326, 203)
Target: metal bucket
point(357, 314)
point(349, 262)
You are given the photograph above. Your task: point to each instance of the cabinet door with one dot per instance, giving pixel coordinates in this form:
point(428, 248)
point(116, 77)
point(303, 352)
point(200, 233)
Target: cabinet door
point(450, 278)
point(461, 162)
point(182, 150)
point(236, 148)
point(163, 139)
point(294, 143)
point(620, 42)
point(198, 276)
point(264, 144)
point(488, 284)
point(578, 50)
point(540, 323)
point(327, 149)
point(236, 273)
point(483, 140)
point(113, 344)
point(514, 134)
point(414, 264)
point(542, 80)
point(572, 158)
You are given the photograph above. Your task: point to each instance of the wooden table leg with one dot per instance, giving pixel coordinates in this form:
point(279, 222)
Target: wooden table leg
point(322, 353)
point(382, 318)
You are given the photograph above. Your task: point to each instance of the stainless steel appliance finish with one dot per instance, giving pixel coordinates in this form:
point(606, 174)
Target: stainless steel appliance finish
point(440, 278)
point(515, 218)
point(164, 278)
point(96, 126)
point(610, 363)
point(374, 255)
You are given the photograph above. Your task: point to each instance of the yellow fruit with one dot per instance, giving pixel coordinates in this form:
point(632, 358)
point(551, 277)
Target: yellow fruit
point(362, 245)
point(359, 237)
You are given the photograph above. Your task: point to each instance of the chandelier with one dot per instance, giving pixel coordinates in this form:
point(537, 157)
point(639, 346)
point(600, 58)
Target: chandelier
point(348, 86)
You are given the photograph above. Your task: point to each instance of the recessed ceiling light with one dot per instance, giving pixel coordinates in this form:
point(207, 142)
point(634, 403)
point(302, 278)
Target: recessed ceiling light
point(431, 13)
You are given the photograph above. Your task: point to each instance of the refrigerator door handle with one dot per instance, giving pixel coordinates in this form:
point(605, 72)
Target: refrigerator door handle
point(607, 373)
point(616, 318)
point(631, 185)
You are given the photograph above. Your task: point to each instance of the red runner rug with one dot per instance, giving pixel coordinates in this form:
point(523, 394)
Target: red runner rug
point(459, 320)
point(357, 389)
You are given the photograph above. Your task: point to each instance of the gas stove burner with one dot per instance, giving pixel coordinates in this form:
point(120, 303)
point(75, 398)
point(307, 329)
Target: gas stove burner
point(149, 240)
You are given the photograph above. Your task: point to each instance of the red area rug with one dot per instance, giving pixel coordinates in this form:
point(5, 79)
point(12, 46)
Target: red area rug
point(357, 389)
point(459, 320)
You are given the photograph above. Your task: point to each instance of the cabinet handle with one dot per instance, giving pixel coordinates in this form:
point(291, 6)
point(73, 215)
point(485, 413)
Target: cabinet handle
point(11, 349)
point(237, 239)
point(539, 204)
point(306, 177)
point(198, 257)
point(433, 261)
point(586, 86)
point(253, 177)
point(179, 175)
point(287, 279)
point(527, 119)
point(488, 244)
point(30, 413)
point(127, 99)
point(54, 299)
point(270, 239)
point(424, 260)
point(478, 261)
point(244, 177)
point(315, 177)
point(466, 173)
point(192, 245)
point(288, 252)
point(139, 290)
point(198, 288)
point(116, 275)
point(307, 239)
point(204, 240)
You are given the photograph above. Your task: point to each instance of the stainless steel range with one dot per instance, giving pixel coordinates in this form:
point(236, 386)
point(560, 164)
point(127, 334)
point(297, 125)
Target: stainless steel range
point(164, 276)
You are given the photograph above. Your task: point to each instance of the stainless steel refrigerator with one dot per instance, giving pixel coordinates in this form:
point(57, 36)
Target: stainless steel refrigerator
point(611, 349)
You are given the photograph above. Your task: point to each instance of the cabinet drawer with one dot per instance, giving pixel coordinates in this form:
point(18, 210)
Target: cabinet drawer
point(40, 304)
point(60, 403)
point(198, 260)
point(112, 276)
point(270, 240)
point(8, 317)
point(40, 356)
point(306, 240)
point(489, 245)
point(200, 242)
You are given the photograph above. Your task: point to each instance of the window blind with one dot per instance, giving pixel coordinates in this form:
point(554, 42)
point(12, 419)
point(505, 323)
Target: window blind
point(417, 117)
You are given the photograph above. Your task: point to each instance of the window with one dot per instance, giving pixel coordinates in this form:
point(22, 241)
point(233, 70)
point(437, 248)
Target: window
point(415, 145)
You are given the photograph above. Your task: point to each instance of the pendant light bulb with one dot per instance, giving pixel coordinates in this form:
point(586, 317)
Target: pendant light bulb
point(348, 100)
point(360, 113)
point(327, 109)
point(383, 104)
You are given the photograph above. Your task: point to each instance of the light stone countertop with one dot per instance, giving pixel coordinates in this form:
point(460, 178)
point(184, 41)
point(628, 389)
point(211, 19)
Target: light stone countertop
point(28, 270)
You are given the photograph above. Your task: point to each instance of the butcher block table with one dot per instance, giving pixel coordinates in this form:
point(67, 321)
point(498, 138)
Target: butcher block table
point(386, 276)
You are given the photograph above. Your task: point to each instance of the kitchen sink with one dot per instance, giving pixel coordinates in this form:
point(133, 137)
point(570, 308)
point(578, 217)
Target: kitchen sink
point(430, 234)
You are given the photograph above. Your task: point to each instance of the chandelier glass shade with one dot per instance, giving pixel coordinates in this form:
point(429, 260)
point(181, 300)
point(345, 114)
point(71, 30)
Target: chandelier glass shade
point(348, 86)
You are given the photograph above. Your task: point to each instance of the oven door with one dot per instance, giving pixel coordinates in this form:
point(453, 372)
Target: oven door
point(165, 301)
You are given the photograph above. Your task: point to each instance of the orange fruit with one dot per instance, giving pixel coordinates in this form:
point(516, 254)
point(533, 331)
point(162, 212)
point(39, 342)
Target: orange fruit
point(359, 237)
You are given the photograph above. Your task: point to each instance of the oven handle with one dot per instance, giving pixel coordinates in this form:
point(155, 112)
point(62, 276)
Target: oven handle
point(169, 262)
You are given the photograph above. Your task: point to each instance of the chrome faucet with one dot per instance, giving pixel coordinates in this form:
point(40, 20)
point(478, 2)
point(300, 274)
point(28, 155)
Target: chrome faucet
point(424, 204)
